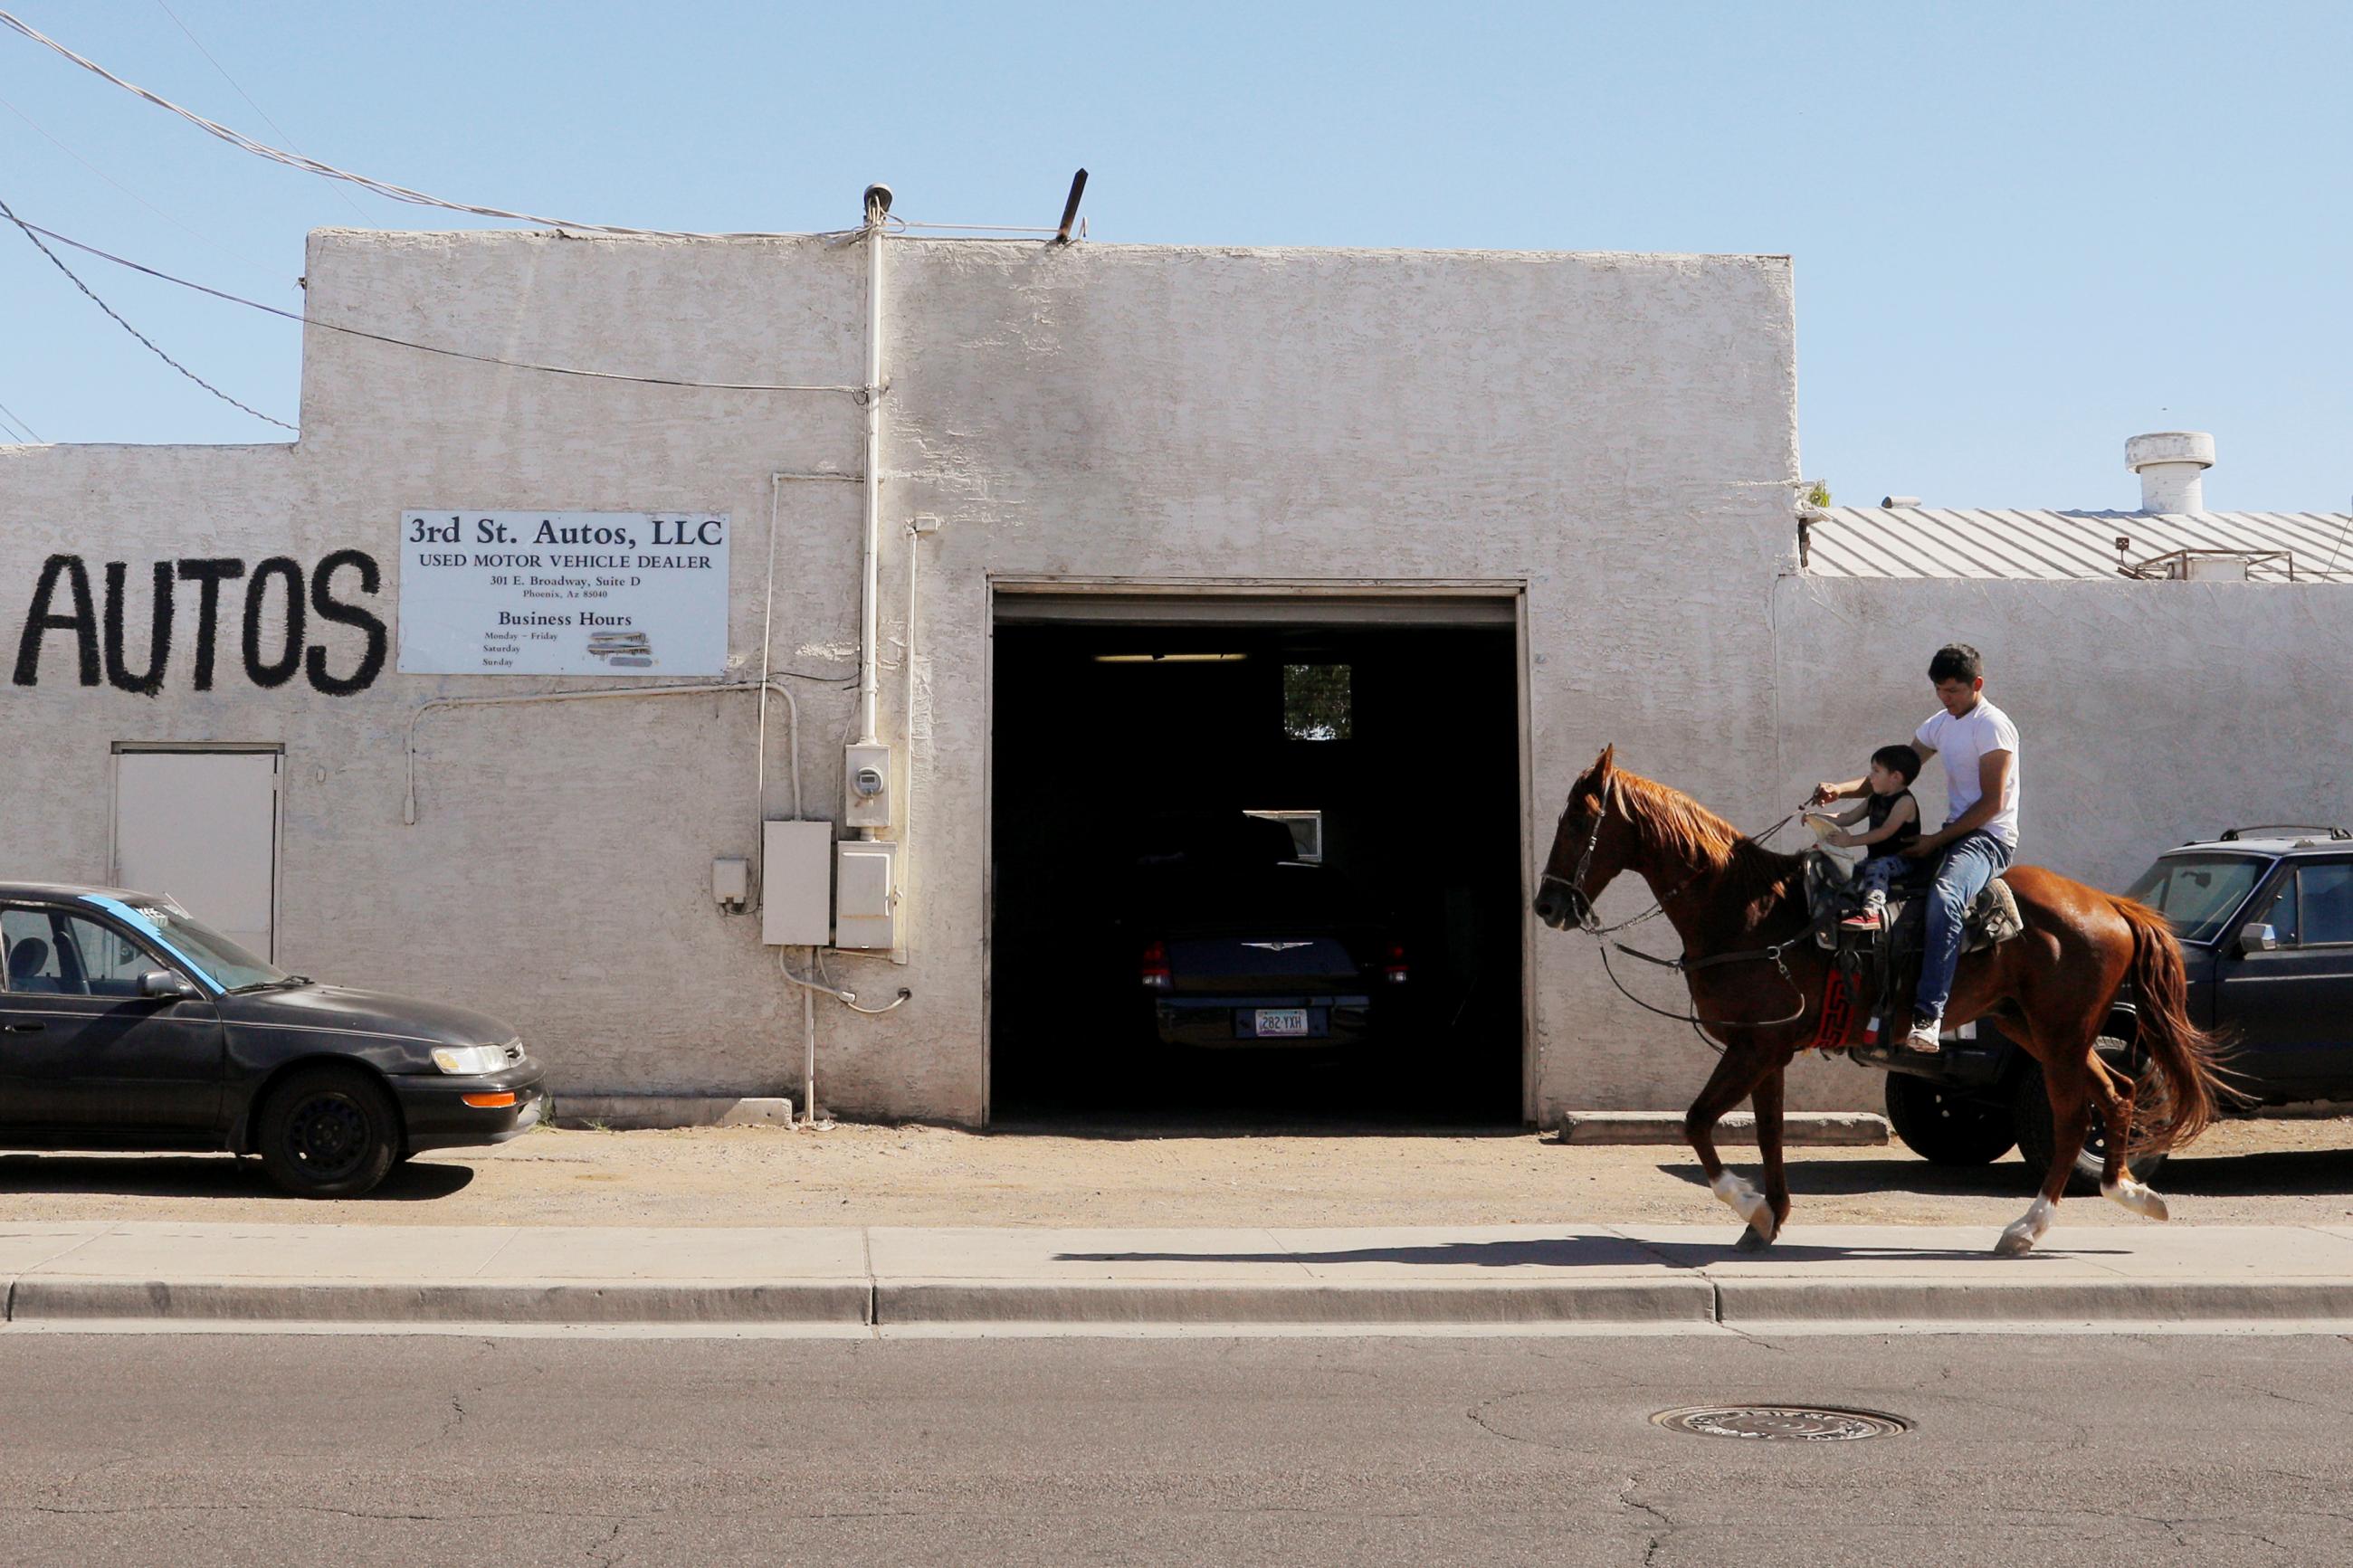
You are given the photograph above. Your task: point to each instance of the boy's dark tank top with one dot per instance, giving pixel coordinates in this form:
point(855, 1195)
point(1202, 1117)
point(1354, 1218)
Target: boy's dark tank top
point(1880, 805)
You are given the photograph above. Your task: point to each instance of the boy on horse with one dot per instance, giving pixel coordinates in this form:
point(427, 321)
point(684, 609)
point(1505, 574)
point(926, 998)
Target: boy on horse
point(1893, 825)
point(1979, 839)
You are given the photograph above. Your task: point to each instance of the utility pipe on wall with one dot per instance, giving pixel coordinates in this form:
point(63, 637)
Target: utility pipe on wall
point(878, 205)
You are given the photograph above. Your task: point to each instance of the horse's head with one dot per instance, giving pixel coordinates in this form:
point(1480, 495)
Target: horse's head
point(1591, 844)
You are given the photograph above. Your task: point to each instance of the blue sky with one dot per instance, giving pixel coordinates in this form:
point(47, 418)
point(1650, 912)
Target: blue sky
point(2022, 232)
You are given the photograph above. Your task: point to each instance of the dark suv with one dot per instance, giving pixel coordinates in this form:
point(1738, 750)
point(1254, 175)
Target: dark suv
point(2264, 916)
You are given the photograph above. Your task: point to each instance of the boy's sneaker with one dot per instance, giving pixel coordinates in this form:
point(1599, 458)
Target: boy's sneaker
point(1922, 1039)
point(1865, 919)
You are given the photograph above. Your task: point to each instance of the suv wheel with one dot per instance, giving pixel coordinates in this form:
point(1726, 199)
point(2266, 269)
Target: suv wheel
point(328, 1132)
point(2030, 1116)
point(1942, 1126)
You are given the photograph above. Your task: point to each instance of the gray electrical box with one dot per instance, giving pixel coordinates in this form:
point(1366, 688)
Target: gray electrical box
point(866, 785)
point(796, 884)
point(731, 882)
point(866, 908)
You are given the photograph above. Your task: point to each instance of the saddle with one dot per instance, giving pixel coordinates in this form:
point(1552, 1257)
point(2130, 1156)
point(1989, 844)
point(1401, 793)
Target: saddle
point(1878, 970)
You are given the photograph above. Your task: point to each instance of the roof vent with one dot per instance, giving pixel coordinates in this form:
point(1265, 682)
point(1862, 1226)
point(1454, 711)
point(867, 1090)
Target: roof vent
point(1892, 502)
point(2172, 464)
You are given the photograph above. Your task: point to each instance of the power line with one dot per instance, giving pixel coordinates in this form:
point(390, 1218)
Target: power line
point(313, 167)
point(18, 426)
point(9, 212)
point(126, 190)
point(33, 231)
point(247, 96)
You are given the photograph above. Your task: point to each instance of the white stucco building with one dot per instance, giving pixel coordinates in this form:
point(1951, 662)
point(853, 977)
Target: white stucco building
point(1536, 503)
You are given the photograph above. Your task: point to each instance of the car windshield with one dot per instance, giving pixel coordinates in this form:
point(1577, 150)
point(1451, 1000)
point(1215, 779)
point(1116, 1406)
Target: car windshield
point(2198, 892)
point(215, 957)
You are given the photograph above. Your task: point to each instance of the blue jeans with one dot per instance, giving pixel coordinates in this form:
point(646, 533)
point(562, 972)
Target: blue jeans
point(1878, 874)
point(1970, 862)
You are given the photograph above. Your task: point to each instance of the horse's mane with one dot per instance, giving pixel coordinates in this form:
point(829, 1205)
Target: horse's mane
point(1676, 827)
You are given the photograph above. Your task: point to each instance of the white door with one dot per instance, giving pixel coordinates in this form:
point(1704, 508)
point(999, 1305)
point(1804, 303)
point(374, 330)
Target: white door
point(202, 827)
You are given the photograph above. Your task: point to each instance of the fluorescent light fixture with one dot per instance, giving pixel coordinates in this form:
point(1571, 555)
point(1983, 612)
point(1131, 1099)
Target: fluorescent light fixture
point(1170, 657)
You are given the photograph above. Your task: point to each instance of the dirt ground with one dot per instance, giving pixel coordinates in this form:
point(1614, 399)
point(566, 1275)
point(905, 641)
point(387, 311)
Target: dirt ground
point(2285, 1172)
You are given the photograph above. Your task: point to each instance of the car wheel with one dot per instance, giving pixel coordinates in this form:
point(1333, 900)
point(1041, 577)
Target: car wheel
point(1943, 1126)
point(2031, 1117)
point(328, 1132)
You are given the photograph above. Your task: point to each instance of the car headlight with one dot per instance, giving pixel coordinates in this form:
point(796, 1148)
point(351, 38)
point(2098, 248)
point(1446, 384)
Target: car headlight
point(469, 1061)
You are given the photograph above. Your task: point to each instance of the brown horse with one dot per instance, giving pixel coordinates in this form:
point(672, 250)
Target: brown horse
point(2052, 987)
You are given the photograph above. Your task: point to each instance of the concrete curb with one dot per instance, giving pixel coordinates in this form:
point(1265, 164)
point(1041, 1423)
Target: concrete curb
point(1629, 1301)
point(55, 1299)
point(1682, 1299)
point(1758, 1303)
point(1799, 1129)
point(641, 1113)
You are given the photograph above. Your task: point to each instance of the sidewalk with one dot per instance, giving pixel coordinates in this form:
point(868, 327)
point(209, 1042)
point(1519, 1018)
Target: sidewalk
point(2295, 1173)
point(862, 1281)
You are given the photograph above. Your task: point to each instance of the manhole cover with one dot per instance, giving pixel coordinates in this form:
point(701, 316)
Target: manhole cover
point(1799, 1423)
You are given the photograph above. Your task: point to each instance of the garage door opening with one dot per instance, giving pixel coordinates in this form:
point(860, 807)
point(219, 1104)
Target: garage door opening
point(1252, 868)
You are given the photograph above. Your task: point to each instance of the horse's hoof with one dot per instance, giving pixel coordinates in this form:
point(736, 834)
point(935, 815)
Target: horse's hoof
point(2131, 1194)
point(2013, 1244)
point(1753, 1240)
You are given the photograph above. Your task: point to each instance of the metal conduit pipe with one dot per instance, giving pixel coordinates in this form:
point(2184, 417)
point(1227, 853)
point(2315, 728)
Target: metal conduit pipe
point(877, 204)
point(847, 998)
point(792, 728)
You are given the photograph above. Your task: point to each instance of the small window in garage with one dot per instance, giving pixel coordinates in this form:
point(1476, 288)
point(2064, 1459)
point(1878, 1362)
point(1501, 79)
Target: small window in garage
point(1306, 832)
point(1315, 702)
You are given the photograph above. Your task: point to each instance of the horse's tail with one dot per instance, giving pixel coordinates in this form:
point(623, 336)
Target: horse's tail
point(2186, 1085)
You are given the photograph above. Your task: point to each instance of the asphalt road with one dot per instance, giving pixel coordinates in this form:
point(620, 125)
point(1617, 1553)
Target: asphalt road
point(2079, 1451)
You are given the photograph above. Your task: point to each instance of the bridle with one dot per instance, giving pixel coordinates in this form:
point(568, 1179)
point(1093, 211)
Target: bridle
point(1581, 903)
point(1590, 921)
point(1578, 903)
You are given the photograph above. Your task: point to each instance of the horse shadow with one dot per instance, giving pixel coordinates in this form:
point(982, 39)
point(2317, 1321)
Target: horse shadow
point(1589, 1252)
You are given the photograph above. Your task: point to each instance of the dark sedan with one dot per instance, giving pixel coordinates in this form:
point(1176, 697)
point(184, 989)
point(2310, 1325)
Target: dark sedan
point(127, 1023)
point(1239, 946)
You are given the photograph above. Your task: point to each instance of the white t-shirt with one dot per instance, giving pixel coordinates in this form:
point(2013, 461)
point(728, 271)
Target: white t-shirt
point(1963, 743)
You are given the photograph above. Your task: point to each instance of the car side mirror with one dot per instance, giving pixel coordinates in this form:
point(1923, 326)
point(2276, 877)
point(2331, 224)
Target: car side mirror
point(163, 986)
point(2257, 936)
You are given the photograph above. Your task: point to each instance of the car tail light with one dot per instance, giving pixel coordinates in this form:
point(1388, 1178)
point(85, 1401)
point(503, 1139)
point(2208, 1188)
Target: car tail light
point(1155, 966)
point(1393, 963)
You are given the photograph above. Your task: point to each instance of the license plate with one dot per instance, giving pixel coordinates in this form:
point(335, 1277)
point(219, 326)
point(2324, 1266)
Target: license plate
point(1282, 1021)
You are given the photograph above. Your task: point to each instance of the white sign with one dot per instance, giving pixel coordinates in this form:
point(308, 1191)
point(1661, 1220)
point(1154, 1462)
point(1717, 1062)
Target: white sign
point(562, 593)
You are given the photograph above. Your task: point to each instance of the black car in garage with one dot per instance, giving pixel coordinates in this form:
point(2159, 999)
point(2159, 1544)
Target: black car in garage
point(1239, 944)
point(2264, 917)
point(125, 1023)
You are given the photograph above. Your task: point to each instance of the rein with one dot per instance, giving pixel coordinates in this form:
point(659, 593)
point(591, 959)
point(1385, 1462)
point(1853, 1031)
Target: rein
point(1588, 921)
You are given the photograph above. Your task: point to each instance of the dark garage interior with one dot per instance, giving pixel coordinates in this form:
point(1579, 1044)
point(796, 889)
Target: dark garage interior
point(1382, 736)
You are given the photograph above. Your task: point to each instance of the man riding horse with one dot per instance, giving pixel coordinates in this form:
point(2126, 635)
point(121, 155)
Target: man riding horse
point(1979, 839)
point(1757, 979)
